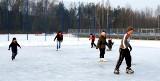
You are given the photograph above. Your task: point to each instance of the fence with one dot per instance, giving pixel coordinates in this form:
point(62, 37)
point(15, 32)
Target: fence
point(139, 33)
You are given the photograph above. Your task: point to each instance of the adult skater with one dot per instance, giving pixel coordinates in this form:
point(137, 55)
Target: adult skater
point(59, 38)
point(13, 46)
point(124, 51)
point(102, 45)
point(92, 38)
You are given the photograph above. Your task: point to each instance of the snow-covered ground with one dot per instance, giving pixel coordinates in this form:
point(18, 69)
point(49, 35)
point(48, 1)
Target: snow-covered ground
point(38, 60)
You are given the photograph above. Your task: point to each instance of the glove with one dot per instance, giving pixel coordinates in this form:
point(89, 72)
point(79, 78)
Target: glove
point(130, 48)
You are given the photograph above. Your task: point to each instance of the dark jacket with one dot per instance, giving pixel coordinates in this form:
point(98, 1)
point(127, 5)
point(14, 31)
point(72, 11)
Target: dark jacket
point(101, 42)
point(92, 38)
point(110, 43)
point(125, 41)
point(59, 37)
point(13, 46)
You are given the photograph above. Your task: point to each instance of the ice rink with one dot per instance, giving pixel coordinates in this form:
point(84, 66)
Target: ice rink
point(38, 60)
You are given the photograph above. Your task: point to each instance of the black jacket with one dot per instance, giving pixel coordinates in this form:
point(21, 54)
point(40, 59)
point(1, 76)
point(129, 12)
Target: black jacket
point(110, 43)
point(59, 37)
point(13, 46)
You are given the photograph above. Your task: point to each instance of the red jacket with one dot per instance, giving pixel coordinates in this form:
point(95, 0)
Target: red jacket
point(92, 38)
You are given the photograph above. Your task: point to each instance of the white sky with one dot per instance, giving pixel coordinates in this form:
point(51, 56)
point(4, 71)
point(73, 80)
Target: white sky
point(135, 4)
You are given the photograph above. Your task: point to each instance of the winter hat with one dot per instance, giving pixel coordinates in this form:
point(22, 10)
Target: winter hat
point(129, 28)
point(14, 38)
point(103, 34)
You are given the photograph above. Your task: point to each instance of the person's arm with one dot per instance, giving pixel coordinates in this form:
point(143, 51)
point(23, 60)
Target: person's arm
point(98, 43)
point(112, 43)
point(10, 46)
point(18, 45)
point(55, 37)
point(130, 47)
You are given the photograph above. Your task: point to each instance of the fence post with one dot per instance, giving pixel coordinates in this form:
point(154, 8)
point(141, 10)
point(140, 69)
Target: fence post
point(155, 35)
point(139, 33)
point(117, 34)
point(7, 18)
point(27, 18)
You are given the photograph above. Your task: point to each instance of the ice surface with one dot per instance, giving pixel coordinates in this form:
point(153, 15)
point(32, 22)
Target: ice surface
point(75, 61)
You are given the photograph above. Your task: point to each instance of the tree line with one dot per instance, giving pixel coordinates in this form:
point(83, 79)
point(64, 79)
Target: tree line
point(46, 16)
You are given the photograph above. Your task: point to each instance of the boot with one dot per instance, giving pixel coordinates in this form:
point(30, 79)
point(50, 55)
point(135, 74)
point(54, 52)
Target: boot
point(103, 60)
point(129, 71)
point(116, 71)
point(100, 60)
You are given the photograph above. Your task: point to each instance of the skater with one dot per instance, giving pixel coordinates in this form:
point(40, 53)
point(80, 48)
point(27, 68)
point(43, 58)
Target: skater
point(102, 45)
point(59, 38)
point(92, 38)
point(13, 46)
point(124, 51)
point(110, 44)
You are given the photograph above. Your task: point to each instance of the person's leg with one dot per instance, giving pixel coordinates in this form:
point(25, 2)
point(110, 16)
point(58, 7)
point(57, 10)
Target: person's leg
point(13, 55)
point(128, 58)
point(57, 44)
point(102, 52)
point(120, 60)
point(91, 44)
point(121, 57)
point(94, 44)
point(128, 62)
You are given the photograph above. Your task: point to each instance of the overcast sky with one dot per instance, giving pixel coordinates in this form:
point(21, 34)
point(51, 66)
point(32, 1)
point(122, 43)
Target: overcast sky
point(135, 4)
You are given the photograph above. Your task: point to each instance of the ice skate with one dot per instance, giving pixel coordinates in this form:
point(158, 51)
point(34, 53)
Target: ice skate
point(12, 58)
point(108, 50)
point(100, 59)
point(116, 71)
point(129, 71)
point(103, 60)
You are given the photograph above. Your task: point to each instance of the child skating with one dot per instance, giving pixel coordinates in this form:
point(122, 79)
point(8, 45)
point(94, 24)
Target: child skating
point(92, 38)
point(110, 44)
point(13, 46)
point(102, 45)
point(59, 38)
point(124, 51)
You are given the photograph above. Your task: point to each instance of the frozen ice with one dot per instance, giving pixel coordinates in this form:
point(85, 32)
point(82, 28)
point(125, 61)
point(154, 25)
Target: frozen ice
point(38, 60)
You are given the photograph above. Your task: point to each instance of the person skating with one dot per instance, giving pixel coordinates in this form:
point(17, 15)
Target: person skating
point(124, 51)
point(102, 45)
point(110, 44)
point(59, 38)
point(92, 38)
point(13, 46)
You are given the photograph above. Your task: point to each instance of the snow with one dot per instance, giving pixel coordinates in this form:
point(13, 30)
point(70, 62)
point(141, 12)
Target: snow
point(38, 60)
